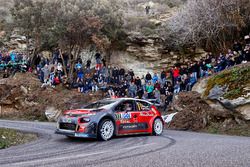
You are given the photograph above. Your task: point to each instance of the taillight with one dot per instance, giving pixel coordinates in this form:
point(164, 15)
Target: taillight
point(84, 120)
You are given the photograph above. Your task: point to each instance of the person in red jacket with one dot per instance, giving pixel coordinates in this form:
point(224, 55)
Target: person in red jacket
point(176, 74)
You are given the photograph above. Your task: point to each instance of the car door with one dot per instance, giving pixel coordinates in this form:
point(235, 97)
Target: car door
point(146, 114)
point(127, 121)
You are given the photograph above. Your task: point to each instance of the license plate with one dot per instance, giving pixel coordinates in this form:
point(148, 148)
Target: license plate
point(67, 120)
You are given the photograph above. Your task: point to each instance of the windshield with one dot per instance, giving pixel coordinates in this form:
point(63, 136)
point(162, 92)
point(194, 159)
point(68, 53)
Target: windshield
point(98, 104)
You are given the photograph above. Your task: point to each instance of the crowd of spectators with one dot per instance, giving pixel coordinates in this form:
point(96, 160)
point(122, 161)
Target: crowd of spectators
point(13, 62)
point(118, 82)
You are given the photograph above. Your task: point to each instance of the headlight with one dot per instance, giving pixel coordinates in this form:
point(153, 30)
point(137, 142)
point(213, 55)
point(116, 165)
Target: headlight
point(84, 120)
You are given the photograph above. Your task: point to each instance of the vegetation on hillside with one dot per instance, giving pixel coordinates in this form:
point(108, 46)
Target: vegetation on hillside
point(9, 137)
point(209, 24)
point(235, 79)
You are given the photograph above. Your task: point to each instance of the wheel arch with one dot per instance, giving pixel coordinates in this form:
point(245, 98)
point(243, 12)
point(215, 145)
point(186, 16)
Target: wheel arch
point(107, 117)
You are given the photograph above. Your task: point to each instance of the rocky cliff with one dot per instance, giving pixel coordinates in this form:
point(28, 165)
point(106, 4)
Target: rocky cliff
point(146, 48)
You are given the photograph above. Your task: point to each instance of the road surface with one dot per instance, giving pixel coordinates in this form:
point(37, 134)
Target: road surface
point(172, 149)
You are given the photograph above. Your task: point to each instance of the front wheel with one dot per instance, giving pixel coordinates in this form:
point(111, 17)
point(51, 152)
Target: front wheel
point(157, 127)
point(106, 130)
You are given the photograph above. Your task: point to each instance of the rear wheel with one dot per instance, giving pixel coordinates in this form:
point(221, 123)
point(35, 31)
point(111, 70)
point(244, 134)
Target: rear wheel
point(106, 130)
point(157, 127)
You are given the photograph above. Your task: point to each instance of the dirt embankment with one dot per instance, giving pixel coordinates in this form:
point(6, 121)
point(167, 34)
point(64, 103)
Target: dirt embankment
point(22, 97)
point(196, 115)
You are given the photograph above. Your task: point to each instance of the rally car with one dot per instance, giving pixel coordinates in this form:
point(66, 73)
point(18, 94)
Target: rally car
point(111, 117)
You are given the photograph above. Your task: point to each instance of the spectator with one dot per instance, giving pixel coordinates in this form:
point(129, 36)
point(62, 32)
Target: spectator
point(157, 95)
point(176, 74)
point(121, 74)
point(177, 87)
point(138, 82)
point(237, 46)
point(98, 61)
point(88, 64)
point(157, 85)
point(192, 81)
point(147, 8)
point(80, 74)
point(149, 90)
point(46, 73)
point(132, 90)
point(155, 78)
point(148, 77)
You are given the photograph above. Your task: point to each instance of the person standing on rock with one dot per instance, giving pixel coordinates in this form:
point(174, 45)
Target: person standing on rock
point(147, 9)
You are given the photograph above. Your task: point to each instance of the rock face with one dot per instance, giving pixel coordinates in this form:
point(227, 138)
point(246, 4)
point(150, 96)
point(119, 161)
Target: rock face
point(218, 97)
point(145, 54)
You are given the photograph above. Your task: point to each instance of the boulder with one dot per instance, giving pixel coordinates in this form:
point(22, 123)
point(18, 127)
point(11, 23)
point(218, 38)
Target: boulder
point(245, 111)
point(52, 114)
point(216, 93)
point(201, 86)
point(24, 90)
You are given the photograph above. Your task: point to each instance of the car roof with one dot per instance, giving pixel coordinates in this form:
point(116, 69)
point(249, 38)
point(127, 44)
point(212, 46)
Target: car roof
point(123, 99)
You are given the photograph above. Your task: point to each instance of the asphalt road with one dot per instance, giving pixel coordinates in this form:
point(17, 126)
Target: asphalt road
point(173, 149)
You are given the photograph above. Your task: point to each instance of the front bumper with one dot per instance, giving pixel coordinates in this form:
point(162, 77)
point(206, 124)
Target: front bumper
point(74, 134)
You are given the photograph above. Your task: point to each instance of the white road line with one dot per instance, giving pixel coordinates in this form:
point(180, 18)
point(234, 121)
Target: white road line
point(76, 156)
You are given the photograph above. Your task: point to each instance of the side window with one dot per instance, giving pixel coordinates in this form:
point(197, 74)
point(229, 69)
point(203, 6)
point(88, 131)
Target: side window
point(143, 106)
point(125, 106)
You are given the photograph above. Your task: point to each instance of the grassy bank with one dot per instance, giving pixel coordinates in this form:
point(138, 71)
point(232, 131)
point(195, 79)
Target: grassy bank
point(9, 137)
point(236, 79)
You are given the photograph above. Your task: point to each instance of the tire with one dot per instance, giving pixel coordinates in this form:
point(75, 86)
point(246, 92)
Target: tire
point(106, 130)
point(157, 127)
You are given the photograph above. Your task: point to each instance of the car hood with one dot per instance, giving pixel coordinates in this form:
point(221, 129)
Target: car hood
point(80, 112)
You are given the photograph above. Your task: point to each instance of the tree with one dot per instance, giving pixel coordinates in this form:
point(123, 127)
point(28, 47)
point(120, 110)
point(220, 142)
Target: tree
point(72, 25)
point(208, 23)
point(28, 19)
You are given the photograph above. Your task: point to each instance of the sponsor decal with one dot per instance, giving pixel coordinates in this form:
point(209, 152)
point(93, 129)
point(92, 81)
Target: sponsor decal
point(146, 114)
point(141, 107)
point(122, 116)
point(133, 126)
point(81, 135)
point(124, 121)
